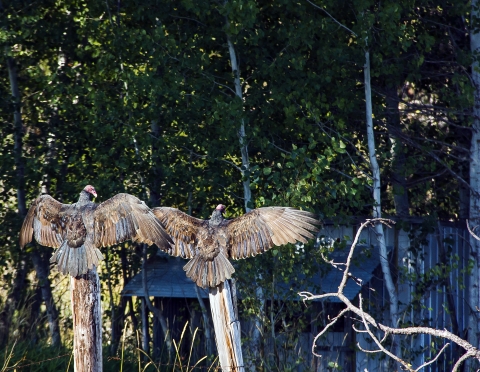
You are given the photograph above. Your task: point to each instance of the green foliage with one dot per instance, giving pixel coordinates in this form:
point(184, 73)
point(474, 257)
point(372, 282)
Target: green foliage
point(139, 97)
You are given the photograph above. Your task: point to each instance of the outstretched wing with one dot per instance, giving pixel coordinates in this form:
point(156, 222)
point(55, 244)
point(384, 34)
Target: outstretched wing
point(125, 217)
point(182, 228)
point(44, 221)
point(260, 229)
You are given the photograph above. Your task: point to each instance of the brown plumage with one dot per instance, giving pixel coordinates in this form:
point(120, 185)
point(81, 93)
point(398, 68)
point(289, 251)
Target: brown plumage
point(79, 229)
point(210, 243)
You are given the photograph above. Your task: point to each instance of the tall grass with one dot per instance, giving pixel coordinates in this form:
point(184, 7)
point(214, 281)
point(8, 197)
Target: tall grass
point(25, 357)
point(8, 357)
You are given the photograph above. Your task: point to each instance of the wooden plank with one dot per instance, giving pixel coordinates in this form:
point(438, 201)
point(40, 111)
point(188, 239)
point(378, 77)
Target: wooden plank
point(87, 322)
point(227, 328)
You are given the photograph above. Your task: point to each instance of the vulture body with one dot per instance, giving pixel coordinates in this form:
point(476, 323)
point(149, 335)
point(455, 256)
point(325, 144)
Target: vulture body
point(78, 230)
point(209, 244)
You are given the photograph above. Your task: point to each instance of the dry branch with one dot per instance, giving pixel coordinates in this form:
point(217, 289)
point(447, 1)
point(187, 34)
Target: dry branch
point(370, 323)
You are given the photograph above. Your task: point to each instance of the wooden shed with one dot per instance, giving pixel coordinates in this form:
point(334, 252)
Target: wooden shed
point(178, 298)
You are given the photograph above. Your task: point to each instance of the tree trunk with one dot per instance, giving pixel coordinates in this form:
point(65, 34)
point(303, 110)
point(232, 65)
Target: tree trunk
point(40, 263)
point(87, 322)
point(474, 212)
point(42, 272)
point(377, 210)
point(126, 280)
point(242, 137)
point(18, 125)
point(449, 290)
point(35, 302)
point(42, 268)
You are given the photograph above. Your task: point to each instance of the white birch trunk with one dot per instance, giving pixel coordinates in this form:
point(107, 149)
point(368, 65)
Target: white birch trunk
point(87, 322)
point(377, 210)
point(474, 212)
point(247, 192)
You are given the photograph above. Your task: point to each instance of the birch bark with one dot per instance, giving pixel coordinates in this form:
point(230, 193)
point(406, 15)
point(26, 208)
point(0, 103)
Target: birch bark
point(377, 208)
point(226, 324)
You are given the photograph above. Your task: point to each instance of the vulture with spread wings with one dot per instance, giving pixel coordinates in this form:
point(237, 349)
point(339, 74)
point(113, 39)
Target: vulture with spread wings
point(209, 244)
point(79, 229)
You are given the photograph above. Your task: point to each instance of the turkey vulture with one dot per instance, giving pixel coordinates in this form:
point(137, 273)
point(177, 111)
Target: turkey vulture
point(210, 243)
point(79, 229)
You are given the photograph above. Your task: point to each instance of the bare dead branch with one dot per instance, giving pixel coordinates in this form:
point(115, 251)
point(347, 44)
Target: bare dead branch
point(333, 18)
point(371, 323)
point(463, 358)
point(325, 329)
point(367, 351)
point(471, 231)
point(379, 343)
point(434, 359)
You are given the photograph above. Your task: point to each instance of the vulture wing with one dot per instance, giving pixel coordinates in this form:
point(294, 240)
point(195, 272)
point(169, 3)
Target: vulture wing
point(260, 229)
point(125, 217)
point(46, 220)
point(182, 228)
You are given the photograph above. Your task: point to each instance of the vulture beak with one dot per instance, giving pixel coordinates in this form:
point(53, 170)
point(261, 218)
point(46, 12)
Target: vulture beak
point(91, 190)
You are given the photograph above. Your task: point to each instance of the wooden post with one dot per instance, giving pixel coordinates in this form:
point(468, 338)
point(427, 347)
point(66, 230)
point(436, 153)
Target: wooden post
point(227, 328)
point(87, 322)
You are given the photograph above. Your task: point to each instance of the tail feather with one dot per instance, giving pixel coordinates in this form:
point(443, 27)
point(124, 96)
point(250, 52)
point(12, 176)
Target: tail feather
point(209, 273)
point(76, 261)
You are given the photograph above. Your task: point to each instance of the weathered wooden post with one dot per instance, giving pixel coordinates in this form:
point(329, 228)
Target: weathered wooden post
point(227, 328)
point(87, 322)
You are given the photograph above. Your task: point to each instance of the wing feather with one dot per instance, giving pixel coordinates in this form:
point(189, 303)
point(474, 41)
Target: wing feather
point(260, 229)
point(43, 222)
point(124, 217)
point(182, 228)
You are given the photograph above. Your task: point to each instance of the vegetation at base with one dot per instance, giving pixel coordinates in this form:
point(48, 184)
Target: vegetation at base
point(26, 357)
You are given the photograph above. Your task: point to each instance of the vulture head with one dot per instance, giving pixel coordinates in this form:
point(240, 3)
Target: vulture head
point(91, 190)
point(221, 208)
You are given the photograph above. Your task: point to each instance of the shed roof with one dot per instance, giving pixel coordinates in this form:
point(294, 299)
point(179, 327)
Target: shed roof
point(365, 261)
point(166, 278)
